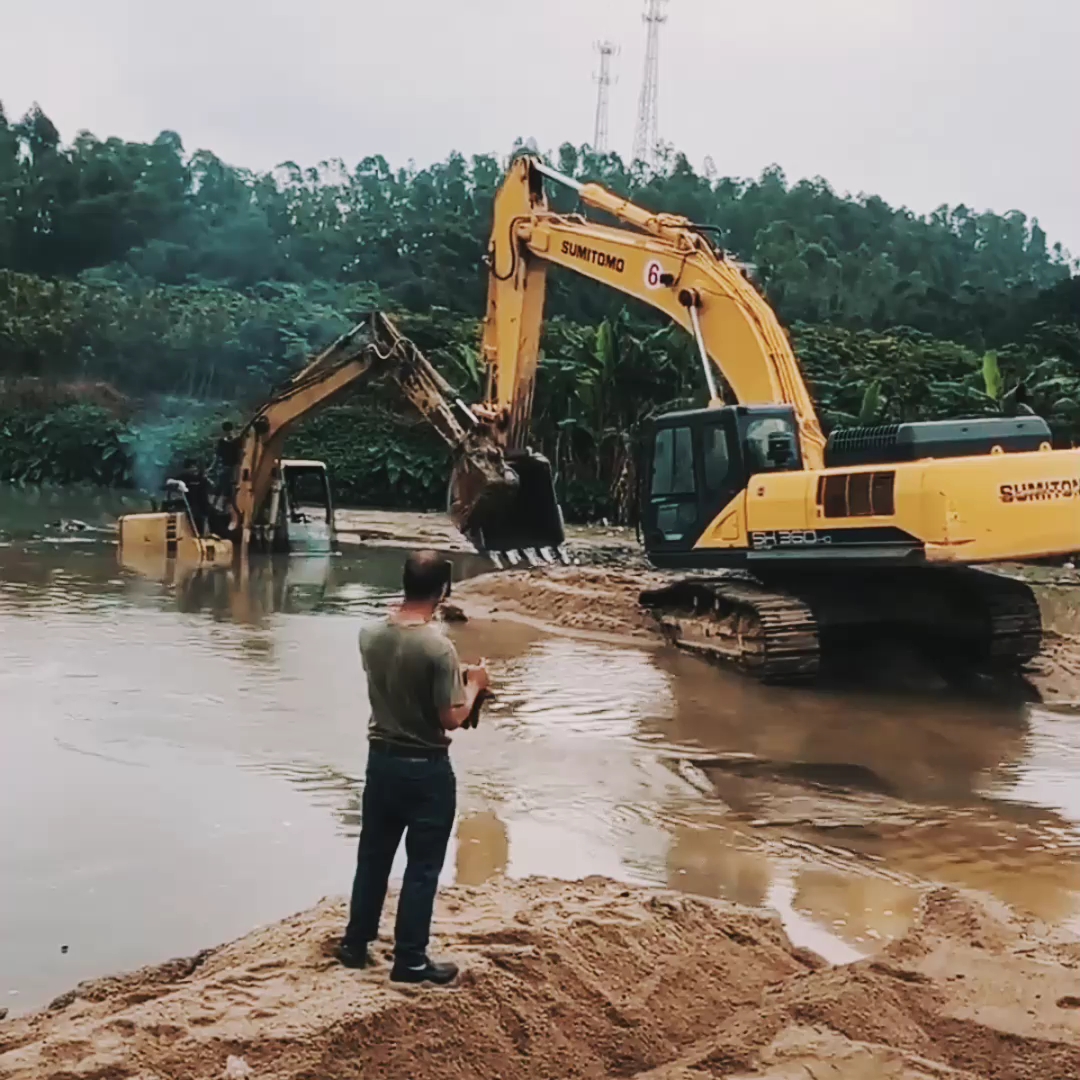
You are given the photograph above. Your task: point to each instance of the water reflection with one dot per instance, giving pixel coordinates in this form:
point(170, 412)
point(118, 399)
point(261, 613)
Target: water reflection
point(1030, 861)
point(586, 687)
point(201, 736)
point(716, 860)
point(922, 747)
point(866, 910)
point(833, 903)
point(483, 848)
point(273, 585)
point(932, 787)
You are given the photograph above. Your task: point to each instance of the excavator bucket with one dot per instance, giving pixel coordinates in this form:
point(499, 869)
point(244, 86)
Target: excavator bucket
point(504, 501)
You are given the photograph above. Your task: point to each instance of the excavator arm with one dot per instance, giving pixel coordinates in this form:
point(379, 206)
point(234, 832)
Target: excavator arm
point(662, 259)
point(371, 348)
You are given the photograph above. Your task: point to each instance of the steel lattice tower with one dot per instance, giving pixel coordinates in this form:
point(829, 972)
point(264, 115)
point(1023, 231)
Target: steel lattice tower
point(603, 83)
point(646, 137)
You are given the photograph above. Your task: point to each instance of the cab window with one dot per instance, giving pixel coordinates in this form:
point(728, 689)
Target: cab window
point(305, 491)
point(761, 456)
point(673, 463)
point(715, 458)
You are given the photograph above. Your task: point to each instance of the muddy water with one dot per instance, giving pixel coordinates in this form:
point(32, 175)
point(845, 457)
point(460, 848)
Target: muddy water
point(181, 759)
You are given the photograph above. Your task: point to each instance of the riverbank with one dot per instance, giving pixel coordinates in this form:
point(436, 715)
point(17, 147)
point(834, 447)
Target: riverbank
point(586, 544)
point(588, 979)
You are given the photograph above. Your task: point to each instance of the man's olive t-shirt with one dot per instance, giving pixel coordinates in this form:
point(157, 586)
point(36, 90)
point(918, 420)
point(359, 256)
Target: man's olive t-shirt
point(412, 672)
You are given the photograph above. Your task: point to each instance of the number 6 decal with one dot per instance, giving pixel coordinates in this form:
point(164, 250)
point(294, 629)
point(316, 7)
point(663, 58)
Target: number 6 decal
point(653, 272)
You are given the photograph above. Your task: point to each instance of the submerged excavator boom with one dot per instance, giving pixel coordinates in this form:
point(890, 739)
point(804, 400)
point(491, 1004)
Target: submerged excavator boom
point(260, 515)
point(373, 347)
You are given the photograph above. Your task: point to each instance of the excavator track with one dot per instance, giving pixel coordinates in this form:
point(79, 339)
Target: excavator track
point(976, 618)
point(1013, 619)
point(769, 634)
point(961, 615)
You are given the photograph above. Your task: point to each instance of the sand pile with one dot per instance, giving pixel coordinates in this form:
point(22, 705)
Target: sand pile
point(399, 528)
point(581, 599)
point(581, 980)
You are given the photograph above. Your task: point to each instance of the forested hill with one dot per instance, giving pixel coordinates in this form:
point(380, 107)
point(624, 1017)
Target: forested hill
point(419, 234)
point(162, 271)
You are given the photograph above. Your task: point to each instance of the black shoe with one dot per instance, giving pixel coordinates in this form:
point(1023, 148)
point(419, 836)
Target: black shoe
point(353, 956)
point(431, 971)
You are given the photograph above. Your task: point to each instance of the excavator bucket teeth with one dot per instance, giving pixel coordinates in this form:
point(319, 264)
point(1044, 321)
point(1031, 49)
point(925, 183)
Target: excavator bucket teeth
point(508, 509)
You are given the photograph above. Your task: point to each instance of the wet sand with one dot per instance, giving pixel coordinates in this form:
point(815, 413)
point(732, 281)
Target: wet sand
point(585, 601)
point(589, 979)
point(403, 528)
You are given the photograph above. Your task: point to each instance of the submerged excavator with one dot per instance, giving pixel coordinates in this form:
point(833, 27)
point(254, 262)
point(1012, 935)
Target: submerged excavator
point(275, 505)
point(792, 538)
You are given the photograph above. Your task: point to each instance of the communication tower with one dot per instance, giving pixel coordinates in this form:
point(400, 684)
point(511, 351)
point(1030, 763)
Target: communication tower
point(607, 50)
point(646, 137)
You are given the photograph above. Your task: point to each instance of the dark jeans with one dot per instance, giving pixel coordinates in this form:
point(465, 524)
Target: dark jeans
point(417, 797)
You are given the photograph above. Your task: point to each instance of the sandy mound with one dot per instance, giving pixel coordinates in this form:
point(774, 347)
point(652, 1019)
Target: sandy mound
point(580, 980)
point(399, 528)
point(582, 599)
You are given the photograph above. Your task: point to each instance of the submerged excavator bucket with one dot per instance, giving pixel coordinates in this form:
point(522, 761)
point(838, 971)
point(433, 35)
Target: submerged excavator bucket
point(504, 501)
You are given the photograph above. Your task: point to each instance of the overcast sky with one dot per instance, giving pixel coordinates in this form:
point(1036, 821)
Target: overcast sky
point(920, 101)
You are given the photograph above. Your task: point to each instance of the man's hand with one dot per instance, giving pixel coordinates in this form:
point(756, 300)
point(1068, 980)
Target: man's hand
point(477, 674)
point(476, 680)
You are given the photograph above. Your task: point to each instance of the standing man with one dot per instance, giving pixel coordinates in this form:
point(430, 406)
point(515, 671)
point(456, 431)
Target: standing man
point(418, 694)
point(226, 459)
point(197, 494)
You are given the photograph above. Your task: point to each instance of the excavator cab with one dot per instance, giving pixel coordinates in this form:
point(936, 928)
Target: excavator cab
point(697, 461)
point(306, 508)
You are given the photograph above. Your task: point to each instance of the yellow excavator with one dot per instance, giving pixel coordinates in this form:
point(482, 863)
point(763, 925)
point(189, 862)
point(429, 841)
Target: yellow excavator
point(815, 537)
point(275, 505)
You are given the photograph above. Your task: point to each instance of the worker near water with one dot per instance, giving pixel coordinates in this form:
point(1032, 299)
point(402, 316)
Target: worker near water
point(226, 459)
point(198, 494)
point(419, 692)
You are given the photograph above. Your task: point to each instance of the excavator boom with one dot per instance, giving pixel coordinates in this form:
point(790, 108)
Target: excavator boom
point(371, 348)
point(486, 479)
point(666, 262)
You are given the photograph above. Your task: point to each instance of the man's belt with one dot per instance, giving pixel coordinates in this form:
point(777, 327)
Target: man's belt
point(428, 753)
